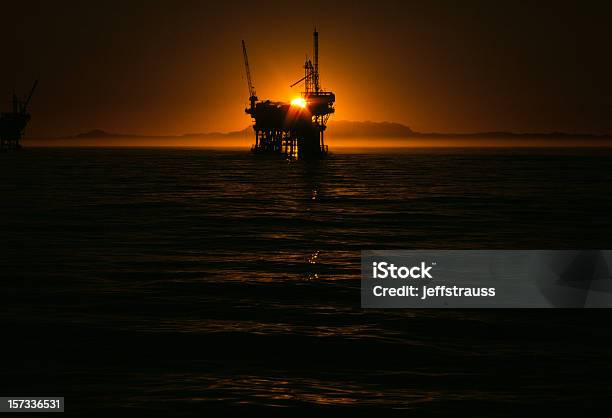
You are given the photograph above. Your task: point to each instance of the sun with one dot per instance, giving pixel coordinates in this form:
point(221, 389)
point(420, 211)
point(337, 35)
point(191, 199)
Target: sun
point(299, 102)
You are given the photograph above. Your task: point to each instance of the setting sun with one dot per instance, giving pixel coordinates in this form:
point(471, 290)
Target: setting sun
point(299, 102)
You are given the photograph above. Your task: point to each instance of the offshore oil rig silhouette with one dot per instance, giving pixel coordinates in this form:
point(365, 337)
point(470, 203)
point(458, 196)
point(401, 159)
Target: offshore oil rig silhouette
point(294, 129)
point(13, 124)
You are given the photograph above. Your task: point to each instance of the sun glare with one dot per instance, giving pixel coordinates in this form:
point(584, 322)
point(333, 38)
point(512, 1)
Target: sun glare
point(299, 102)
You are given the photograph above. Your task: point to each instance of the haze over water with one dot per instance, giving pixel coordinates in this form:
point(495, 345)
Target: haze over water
point(164, 279)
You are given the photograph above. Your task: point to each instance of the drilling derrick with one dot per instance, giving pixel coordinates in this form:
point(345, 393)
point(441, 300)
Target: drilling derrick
point(292, 129)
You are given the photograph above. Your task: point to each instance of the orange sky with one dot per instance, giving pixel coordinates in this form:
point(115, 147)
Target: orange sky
point(165, 68)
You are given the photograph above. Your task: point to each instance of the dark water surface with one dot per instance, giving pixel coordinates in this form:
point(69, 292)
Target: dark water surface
point(176, 280)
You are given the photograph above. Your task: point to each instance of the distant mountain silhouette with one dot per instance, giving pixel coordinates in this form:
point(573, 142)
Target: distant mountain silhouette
point(99, 134)
point(246, 131)
point(367, 129)
point(95, 133)
point(344, 130)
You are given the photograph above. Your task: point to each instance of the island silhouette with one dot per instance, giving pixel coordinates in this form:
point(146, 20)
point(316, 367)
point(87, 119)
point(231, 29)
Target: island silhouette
point(340, 134)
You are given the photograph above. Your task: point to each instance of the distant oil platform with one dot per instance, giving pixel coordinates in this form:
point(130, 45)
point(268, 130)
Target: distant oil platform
point(13, 124)
point(294, 129)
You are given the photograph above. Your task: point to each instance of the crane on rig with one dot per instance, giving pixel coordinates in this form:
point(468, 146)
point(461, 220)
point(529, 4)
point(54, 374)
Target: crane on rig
point(252, 93)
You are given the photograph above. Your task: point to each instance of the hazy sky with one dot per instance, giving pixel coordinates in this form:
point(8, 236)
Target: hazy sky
point(172, 67)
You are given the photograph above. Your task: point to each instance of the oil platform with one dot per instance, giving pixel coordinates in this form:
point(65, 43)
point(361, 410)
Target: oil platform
point(13, 124)
point(294, 129)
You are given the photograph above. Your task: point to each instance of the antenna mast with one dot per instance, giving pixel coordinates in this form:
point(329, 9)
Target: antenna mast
point(315, 37)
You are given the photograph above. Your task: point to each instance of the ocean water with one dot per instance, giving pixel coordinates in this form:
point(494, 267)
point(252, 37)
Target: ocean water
point(176, 281)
